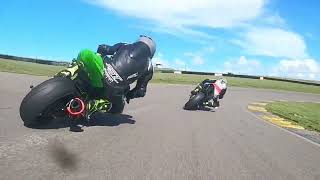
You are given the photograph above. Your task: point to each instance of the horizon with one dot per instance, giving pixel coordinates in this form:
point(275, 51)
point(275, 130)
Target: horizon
point(255, 37)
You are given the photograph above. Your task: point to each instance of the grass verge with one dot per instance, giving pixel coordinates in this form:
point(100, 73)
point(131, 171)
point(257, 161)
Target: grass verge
point(21, 67)
point(49, 70)
point(304, 114)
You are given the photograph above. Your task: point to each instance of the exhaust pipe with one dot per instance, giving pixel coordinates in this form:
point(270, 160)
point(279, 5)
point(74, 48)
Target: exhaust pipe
point(76, 107)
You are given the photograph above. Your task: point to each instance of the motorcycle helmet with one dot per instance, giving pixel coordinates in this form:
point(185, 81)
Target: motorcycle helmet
point(149, 42)
point(222, 83)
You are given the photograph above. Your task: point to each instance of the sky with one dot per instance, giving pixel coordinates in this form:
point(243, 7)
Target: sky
point(258, 37)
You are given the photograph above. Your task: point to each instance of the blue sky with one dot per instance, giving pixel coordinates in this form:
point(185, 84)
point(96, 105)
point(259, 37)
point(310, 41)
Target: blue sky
point(266, 37)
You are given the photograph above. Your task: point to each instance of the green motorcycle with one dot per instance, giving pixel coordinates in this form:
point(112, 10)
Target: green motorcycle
point(70, 95)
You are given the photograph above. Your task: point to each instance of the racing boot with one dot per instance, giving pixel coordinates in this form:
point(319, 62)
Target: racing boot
point(74, 126)
point(209, 104)
point(214, 104)
point(101, 105)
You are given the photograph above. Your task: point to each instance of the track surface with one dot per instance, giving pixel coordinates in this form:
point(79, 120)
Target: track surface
point(165, 142)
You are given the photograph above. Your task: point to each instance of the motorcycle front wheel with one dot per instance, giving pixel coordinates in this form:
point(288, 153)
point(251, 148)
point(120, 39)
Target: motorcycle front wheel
point(194, 101)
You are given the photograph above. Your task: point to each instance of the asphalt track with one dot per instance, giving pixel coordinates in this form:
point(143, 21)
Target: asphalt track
point(156, 139)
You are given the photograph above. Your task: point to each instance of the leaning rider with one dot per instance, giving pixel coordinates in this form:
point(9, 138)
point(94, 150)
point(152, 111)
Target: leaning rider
point(220, 88)
point(118, 66)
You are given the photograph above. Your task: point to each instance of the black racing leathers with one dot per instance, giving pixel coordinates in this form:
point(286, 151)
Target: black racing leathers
point(128, 63)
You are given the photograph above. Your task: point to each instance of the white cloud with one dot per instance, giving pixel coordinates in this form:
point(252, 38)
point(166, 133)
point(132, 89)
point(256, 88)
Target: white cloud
point(310, 36)
point(179, 62)
point(183, 18)
point(160, 54)
point(275, 20)
point(158, 59)
point(197, 60)
point(181, 31)
point(300, 68)
point(242, 61)
point(206, 13)
point(178, 31)
point(197, 57)
point(273, 42)
point(169, 63)
point(243, 66)
point(180, 65)
point(207, 50)
point(312, 76)
point(182, 15)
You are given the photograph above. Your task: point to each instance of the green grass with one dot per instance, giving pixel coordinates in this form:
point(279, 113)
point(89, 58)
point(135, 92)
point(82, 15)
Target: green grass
point(49, 70)
point(306, 115)
point(28, 68)
point(238, 82)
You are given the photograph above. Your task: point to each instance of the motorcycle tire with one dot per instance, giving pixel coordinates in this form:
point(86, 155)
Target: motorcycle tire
point(194, 101)
point(42, 97)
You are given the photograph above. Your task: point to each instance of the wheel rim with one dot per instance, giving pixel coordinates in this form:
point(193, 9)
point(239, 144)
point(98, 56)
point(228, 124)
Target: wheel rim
point(55, 110)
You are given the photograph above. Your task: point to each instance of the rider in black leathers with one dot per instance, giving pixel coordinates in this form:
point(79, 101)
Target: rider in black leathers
point(218, 91)
point(123, 65)
point(132, 62)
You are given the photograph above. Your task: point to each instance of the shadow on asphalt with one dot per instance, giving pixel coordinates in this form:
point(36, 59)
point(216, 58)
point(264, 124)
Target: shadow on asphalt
point(206, 109)
point(203, 109)
point(97, 119)
point(104, 119)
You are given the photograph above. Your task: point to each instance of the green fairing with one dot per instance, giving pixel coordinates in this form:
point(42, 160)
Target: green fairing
point(93, 66)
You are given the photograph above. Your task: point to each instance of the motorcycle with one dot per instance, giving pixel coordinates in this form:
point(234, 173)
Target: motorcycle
point(201, 95)
point(61, 96)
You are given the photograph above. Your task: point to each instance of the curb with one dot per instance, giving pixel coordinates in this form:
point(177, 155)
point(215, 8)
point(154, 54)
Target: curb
point(258, 109)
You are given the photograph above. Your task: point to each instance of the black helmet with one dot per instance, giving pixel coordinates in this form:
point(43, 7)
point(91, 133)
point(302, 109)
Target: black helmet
point(149, 42)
